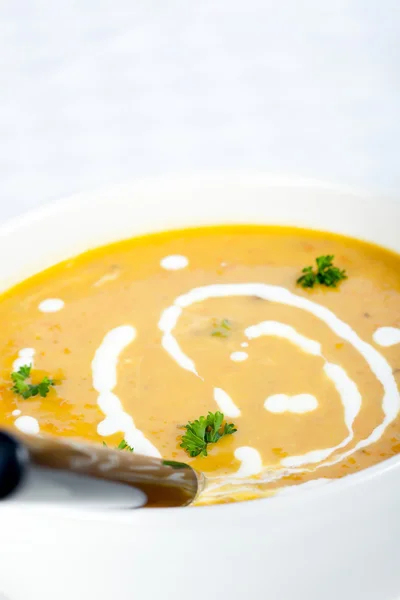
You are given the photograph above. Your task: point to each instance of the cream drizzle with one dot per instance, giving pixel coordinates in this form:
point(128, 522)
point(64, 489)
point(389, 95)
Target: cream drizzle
point(347, 389)
point(174, 262)
point(27, 424)
point(107, 277)
point(387, 336)
point(239, 356)
point(104, 374)
point(251, 461)
point(226, 404)
point(286, 332)
point(51, 305)
point(298, 404)
point(25, 358)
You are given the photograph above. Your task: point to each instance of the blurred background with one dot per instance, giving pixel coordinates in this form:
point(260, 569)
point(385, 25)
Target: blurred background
point(99, 92)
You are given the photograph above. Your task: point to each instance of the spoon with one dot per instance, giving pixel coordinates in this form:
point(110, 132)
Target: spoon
point(45, 468)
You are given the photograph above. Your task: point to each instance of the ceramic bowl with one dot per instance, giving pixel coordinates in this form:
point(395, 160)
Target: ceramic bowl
point(338, 541)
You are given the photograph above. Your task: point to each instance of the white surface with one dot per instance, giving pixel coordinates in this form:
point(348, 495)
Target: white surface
point(94, 93)
point(340, 540)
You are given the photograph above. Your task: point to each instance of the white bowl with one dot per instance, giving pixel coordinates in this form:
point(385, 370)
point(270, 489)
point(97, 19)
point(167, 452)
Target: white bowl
point(338, 541)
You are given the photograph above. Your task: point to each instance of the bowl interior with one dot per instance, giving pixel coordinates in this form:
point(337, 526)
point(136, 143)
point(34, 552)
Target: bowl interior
point(65, 228)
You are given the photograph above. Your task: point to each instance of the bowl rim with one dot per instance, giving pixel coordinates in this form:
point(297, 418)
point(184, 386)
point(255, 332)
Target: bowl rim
point(248, 177)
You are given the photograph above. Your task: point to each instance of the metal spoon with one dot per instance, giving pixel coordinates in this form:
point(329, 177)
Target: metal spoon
point(32, 467)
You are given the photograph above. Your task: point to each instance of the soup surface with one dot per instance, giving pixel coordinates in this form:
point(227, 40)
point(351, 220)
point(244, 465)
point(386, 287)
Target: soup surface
point(145, 335)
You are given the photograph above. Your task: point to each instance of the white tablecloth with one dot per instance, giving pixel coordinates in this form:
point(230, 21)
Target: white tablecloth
point(99, 92)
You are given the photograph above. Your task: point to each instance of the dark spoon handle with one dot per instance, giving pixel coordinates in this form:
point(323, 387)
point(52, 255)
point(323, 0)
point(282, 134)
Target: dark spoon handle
point(164, 483)
point(14, 460)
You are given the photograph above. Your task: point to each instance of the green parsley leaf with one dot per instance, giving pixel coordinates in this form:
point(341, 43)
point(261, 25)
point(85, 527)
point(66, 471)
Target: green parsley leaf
point(221, 328)
point(308, 279)
point(204, 431)
point(24, 371)
point(44, 386)
point(123, 445)
point(326, 273)
point(26, 389)
point(174, 464)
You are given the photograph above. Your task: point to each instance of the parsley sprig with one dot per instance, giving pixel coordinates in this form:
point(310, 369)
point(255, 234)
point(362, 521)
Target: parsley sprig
point(204, 431)
point(123, 445)
point(221, 328)
point(326, 273)
point(26, 389)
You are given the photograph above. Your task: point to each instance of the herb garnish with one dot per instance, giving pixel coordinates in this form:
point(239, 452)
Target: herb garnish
point(221, 328)
point(204, 431)
point(27, 390)
point(123, 445)
point(326, 273)
point(174, 464)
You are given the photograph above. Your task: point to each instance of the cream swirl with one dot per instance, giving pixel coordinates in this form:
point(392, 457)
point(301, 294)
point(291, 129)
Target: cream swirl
point(346, 388)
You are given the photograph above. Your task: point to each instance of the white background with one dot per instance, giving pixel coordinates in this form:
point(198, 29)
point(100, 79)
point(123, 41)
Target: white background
point(96, 92)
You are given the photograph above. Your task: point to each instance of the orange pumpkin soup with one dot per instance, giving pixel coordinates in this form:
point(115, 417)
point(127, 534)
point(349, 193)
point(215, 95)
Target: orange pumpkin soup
point(139, 338)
